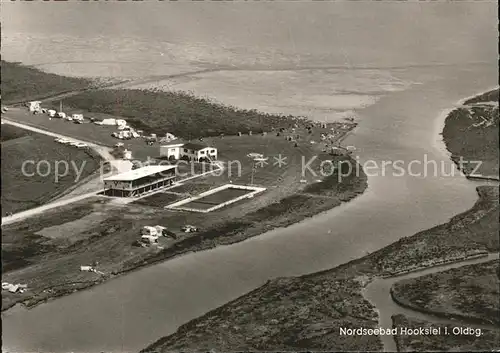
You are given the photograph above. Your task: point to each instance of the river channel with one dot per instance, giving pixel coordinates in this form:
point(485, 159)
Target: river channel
point(129, 312)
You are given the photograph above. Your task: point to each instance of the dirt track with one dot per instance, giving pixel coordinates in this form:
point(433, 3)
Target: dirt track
point(103, 151)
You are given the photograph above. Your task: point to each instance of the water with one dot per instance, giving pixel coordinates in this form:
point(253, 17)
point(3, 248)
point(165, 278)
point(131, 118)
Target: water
point(426, 57)
point(378, 293)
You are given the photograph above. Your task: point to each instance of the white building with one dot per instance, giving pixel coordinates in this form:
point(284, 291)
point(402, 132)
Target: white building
point(171, 151)
point(190, 151)
point(141, 180)
point(34, 106)
point(127, 154)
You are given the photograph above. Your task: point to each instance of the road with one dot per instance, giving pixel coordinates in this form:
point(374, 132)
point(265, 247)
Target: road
point(17, 217)
point(96, 183)
point(103, 151)
point(378, 293)
point(81, 192)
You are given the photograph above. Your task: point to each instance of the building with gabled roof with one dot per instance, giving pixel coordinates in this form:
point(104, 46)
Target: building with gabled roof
point(189, 151)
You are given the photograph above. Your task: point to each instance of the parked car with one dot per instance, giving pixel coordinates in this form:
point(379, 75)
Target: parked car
point(81, 145)
point(169, 233)
point(63, 141)
point(73, 143)
point(189, 229)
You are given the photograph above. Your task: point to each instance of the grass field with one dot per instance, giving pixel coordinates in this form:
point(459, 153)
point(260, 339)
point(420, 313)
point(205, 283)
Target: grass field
point(9, 132)
point(470, 291)
point(31, 188)
point(22, 83)
point(179, 113)
point(487, 342)
point(105, 233)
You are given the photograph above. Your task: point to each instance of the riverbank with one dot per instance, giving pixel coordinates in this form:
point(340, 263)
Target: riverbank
point(21, 83)
point(271, 320)
point(152, 110)
point(98, 231)
point(273, 316)
point(99, 227)
point(470, 134)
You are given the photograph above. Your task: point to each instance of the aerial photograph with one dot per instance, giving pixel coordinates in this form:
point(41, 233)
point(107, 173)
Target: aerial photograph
point(250, 176)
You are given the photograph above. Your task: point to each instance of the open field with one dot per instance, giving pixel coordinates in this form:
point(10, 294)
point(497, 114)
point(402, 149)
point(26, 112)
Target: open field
point(151, 110)
point(471, 132)
point(10, 132)
point(296, 313)
point(469, 292)
point(488, 341)
point(108, 238)
point(31, 188)
point(21, 83)
point(105, 232)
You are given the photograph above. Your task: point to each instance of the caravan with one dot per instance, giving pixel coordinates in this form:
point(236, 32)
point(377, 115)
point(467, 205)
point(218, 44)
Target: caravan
point(77, 117)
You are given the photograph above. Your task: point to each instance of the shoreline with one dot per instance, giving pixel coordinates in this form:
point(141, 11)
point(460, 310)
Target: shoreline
point(360, 269)
point(354, 267)
point(440, 121)
point(444, 116)
point(156, 261)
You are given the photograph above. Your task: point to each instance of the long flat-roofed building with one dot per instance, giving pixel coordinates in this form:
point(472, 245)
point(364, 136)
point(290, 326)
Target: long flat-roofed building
point(141, 180)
